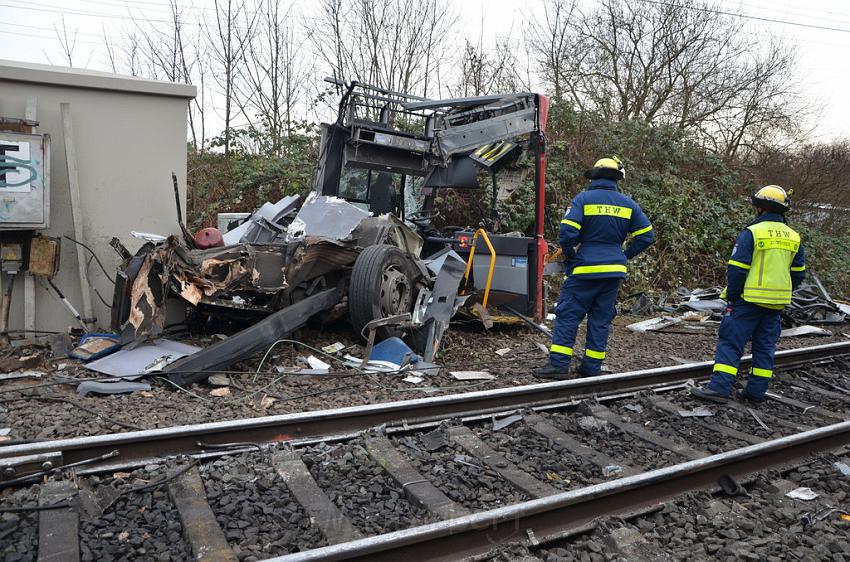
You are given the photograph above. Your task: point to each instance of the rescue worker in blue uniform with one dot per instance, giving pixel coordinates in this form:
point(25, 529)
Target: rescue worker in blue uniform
point(767, 264)
point(593, 230)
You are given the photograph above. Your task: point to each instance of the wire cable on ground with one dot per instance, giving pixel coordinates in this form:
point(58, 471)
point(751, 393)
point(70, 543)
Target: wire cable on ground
point(76, 405)
point(152, 485)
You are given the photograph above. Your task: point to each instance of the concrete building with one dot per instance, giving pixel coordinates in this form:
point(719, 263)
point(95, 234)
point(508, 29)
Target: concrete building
point(130, 134)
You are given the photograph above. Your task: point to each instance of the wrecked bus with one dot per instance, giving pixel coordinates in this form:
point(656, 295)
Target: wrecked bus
point(366, 243)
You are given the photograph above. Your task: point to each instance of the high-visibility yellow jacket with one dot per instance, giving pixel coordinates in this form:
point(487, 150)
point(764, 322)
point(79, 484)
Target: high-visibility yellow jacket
point(770, 254)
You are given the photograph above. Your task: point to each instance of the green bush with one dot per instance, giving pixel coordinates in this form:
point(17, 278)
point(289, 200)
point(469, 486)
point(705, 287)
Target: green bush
point(697, 202)
point(244, 180)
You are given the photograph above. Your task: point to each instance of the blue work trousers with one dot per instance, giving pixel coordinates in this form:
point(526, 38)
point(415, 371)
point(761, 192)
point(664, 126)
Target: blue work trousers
point(594, 298)
point(744, 321)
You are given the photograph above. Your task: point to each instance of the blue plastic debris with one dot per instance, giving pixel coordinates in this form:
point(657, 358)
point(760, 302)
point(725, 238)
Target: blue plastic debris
point(95, 346)
point(395, 351)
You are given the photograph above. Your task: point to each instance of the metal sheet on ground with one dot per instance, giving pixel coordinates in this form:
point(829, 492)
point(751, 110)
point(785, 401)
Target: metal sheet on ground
point(131, 363)
point(250, 341)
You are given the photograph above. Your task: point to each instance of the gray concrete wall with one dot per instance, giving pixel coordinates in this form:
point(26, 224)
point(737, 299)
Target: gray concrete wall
point(130, 135)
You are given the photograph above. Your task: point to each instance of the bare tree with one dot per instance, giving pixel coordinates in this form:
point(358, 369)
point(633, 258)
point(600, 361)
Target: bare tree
point(68, 44)
point(227, 44)
point(550, 39)
point(490, 71)
point(273, 75)
point(395, 44)
point(683, 64)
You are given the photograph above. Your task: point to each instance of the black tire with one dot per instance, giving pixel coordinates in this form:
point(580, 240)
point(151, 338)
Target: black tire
point(383, 283)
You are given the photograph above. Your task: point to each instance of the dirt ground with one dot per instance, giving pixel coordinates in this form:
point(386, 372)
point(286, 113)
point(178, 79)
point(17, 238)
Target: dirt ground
point(38, 408)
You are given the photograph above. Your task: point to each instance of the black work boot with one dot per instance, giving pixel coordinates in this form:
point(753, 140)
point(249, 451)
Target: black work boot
point(705, 393)
point(744, 396)
point(552, 372)
point(585, 372)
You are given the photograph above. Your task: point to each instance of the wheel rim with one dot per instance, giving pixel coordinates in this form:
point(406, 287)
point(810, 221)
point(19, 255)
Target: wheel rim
point(395, 292)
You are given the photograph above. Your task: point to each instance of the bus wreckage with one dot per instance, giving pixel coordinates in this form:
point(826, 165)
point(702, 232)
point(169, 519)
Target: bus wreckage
point(364, 242)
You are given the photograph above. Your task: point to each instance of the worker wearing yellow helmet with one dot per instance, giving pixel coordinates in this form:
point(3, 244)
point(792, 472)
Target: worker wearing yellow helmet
point(767, 264)
point(593, 230)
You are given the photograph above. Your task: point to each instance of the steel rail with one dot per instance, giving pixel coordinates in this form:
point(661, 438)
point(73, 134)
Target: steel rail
point(139, 447)
point(555, 516)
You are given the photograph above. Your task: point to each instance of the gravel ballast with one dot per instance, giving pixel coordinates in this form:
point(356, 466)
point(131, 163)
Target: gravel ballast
point(255, 510)
point(269, 393)
point(137, 526)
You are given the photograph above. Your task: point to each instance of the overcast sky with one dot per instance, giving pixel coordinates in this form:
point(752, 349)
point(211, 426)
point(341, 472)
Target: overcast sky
point(819, 28)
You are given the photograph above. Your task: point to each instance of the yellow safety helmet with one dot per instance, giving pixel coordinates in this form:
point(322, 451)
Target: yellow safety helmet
point(772, 198)
point(608, 168)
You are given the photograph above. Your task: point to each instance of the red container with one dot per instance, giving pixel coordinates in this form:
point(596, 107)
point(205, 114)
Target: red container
point(208, 238)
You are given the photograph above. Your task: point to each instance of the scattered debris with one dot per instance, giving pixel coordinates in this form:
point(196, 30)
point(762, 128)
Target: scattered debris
point(591, 423)
point(805, 494)
point(811, 304)
point(654, 324)
point(434, 440)
point(842, 467)
point(636, 408)
point(472, 375)
point(222, 392)
point(119, 387)
point(413, 379)
point(266, 224)
point(9, 364)
point(698, 412)
point(132, 363)
point(219, 379)
point(464, 460)
point(805, 330)
point(758, 420)
point(502, 352)
point(611, 470)
point(333, 348)
point(393, 350)
point(502, 423)
point(21, 375)
point(300, 371)
point(372, 366)
point(317, 364)
point(693, 316)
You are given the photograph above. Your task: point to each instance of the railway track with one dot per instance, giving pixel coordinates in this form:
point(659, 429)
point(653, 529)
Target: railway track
point(438, 479)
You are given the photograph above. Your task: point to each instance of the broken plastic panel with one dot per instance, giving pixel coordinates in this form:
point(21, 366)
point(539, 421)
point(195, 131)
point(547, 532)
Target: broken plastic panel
point(132, 363)
point(326, 217)
point(265, 224)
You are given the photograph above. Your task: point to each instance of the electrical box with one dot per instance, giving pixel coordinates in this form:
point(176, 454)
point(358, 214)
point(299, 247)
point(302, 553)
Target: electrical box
point(24, 181)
